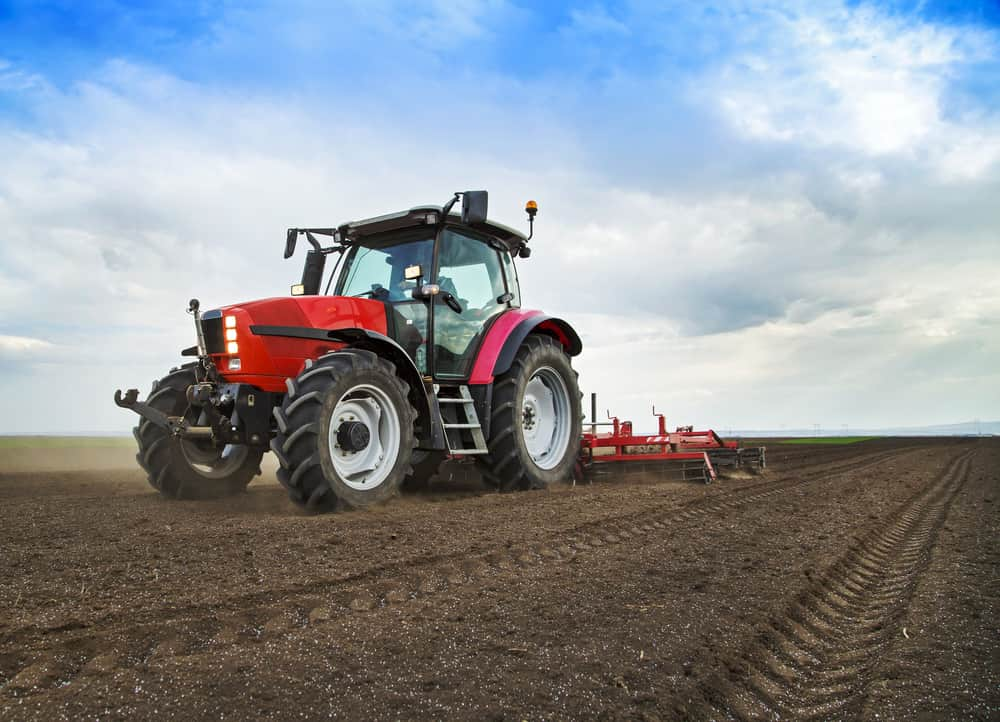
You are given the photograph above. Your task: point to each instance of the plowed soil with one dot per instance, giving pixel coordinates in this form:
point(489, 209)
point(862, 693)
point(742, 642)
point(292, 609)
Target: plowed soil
point(845, 582)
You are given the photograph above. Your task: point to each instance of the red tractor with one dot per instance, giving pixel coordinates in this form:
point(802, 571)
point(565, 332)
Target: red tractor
point(421, 352)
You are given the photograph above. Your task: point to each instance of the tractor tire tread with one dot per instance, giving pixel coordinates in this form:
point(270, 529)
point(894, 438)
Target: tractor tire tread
point(279, 454)
point(310, 397)
point(281, 420)
point(292, 438)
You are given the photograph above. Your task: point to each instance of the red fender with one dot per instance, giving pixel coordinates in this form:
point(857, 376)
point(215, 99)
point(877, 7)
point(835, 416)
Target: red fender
point(507, 333)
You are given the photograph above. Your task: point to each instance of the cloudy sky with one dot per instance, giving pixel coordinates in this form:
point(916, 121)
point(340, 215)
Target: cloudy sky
point(758, 214)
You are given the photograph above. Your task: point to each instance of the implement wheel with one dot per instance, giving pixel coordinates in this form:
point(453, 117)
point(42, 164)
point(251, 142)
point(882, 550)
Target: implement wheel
point(345, 432)
point(188, 468)
point(535, 425)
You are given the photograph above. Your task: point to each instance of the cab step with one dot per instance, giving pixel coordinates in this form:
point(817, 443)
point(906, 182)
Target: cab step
point(462, 430)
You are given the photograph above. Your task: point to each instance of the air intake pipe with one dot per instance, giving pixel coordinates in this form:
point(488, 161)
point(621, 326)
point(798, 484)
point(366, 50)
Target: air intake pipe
point(312, 273)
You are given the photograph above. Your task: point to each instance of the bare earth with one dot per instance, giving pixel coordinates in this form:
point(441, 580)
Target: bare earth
point(856, 582)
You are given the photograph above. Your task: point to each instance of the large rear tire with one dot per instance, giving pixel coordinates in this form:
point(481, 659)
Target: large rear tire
point(535, 423)
point(184, 468)
point(345, 432)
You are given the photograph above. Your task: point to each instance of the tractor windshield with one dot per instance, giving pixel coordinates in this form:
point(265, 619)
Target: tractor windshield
point(376, 269)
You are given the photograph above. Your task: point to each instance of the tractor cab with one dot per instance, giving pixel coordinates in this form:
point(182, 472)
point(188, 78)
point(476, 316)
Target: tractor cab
point(444, 278)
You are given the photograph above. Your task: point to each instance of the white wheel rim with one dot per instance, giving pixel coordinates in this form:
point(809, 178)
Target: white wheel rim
point(368, 468)
point(545, 418)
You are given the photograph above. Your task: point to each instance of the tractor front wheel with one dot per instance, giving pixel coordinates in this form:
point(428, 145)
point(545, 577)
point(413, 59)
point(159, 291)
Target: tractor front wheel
point(189, 468)
point(345, 432)
point(535, 423)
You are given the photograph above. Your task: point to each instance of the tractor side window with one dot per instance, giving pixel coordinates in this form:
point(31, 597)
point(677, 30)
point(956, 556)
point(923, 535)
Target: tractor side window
point(470, 271)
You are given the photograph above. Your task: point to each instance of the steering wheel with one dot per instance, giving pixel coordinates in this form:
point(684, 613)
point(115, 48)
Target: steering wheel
point(378, 292)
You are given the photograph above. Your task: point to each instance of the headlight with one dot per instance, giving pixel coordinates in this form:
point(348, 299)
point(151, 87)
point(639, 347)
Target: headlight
point(230, 323)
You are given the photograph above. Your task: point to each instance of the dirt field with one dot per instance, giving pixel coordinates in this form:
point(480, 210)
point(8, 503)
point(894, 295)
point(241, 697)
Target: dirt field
point(856, 581)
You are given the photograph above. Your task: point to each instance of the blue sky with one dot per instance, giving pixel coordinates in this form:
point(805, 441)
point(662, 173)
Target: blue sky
point(760, 214)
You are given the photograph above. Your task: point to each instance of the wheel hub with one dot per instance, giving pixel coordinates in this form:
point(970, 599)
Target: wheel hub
point(529, 417)
point(353, 436)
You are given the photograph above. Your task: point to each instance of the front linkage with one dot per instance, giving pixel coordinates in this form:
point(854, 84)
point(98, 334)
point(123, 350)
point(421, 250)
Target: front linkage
point(236, 413)
point(229, 413)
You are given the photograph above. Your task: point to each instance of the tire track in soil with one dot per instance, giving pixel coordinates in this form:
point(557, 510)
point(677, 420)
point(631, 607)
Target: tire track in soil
point(815, 660)
point(80, 649)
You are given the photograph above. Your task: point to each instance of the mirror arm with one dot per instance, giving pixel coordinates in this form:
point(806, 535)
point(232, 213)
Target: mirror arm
point(293, 234)
point(313, 242)
point(448, 206)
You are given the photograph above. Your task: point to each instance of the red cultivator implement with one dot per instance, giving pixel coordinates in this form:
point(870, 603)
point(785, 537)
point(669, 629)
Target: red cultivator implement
point(683, 454)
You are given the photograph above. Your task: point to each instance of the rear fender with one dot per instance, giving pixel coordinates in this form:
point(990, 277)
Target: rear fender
point(500, 347)
point(430, 433)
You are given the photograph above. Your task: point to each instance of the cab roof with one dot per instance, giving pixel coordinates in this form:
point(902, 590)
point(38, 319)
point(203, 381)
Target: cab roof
point(354, 231)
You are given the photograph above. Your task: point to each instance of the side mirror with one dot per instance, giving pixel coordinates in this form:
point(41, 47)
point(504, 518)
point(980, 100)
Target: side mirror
point(474, 204)
point(413, 273)
point(293, 234)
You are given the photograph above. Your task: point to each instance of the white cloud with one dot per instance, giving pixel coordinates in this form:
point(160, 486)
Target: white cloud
point(14, 79)
point(969, 154)
point(858, 79)
point(16, 348)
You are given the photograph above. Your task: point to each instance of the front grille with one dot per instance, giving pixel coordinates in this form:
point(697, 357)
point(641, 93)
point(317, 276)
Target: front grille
point(211, 326)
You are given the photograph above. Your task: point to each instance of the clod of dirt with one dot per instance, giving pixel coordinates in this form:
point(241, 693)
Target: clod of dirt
point(364, 602)
point(319, 615)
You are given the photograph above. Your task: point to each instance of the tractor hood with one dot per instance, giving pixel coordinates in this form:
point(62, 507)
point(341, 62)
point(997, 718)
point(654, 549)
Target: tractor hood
point(264, 342)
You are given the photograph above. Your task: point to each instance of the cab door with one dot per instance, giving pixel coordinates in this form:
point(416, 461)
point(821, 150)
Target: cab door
point(471, 271)
point(377, 270)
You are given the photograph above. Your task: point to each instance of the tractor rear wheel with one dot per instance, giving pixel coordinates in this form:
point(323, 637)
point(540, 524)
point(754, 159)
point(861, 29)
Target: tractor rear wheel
point(345, 432)
point(535, 423)
point(188, 468)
